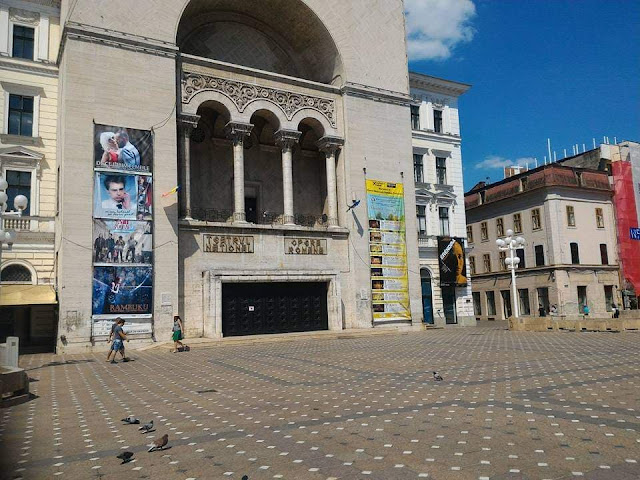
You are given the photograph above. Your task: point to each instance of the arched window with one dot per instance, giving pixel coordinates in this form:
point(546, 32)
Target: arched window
point(16, 274)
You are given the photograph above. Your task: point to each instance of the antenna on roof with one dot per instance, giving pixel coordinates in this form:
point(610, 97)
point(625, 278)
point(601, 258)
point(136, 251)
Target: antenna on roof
point(554, 156)
point(549, 148)
point(545, 159)
point(536, 160)
point(583, 148)
point(594, 143)
point(565, 153)
point(615, 140)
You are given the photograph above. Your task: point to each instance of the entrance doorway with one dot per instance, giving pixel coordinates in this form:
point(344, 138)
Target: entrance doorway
point(277, 307)
point(251, 209)
point(449, 305)
point(427, 301)
point(506, 303)
point(34, 325)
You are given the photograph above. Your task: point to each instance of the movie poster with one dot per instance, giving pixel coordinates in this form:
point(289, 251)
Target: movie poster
point(122, 229)
point(122, 149)
point(388, 251)
point(453, 268)
point(122, 290)
point(122, 241)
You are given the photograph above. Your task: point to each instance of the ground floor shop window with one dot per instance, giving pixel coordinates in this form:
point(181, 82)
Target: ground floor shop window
point(491, 303)
point(506, 303)
point(608, 297)
point(543, 298)
point(525, 308)
point(477, 306)
point(582, 298)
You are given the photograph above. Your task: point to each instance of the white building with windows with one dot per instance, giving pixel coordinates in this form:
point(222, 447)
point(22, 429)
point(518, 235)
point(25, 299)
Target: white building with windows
point(437, 167)
point(29, 39)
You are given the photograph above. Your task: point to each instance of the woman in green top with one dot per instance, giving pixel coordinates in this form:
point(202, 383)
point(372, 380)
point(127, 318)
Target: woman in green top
point(177, 333)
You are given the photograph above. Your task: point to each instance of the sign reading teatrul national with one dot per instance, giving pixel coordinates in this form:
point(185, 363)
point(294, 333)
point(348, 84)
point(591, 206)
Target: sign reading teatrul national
point(305, 246)
point(227, 243)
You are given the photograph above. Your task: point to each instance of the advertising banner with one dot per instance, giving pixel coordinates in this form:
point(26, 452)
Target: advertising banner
point(121, 290)
point(453, 268)
point(122, 149)
point(122, 241)
point(388, 251)
point(122, 229)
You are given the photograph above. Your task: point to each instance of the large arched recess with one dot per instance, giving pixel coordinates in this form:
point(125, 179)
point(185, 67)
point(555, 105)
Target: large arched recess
point(280, 36)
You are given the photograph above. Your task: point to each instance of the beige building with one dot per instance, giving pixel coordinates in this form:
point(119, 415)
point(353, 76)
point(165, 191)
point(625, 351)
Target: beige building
point(570, 258)
point(292, 151)
point(29, 39)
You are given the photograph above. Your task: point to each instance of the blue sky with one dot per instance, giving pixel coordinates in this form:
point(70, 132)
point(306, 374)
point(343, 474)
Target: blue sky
point(567, 70)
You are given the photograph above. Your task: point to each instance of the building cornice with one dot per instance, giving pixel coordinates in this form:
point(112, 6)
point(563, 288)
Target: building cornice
point(49, 7)
point(126, 41)
point(437, 85)
point(545, 268)
point(29, 67)
point(437, 137)
point(376, 94)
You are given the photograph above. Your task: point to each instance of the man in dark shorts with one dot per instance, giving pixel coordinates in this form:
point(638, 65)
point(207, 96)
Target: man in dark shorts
point(118, 341)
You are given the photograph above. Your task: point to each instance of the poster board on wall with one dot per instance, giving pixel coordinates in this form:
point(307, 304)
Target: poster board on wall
point(122, 229)
point(452, 262)
point(388, 251)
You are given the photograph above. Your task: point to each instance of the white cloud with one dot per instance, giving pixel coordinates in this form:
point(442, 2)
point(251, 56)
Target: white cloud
point(495, 161)
point(435, 27)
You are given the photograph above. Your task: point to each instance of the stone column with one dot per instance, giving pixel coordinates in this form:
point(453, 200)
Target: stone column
point(330, 146)
point(237, 132)
point(186, 124)
point(286, 139)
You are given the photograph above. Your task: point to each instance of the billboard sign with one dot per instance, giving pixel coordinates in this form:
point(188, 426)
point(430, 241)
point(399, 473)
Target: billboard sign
point(451, 258)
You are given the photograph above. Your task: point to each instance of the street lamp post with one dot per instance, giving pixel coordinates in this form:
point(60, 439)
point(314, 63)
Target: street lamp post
point(512, 244)
point(20, 203)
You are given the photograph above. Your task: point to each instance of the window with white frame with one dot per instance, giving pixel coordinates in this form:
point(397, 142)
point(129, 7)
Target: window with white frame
point(19, 184)
point(21, 110)
point(23, 42)
point(441, 170)
point(421, 214)
point(418, 168)
point(437, 121)
point(20, 118)
point(444, 221)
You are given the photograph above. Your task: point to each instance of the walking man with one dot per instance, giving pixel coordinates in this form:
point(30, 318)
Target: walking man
point(118, 342)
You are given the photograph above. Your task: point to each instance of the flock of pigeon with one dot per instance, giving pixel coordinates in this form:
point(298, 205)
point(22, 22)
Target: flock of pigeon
point(161, 443)
point(158, 444)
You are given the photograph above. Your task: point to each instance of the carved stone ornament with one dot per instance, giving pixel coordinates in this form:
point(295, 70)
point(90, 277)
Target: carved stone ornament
point(24, 16)
point(242, 94)
point(329, 144)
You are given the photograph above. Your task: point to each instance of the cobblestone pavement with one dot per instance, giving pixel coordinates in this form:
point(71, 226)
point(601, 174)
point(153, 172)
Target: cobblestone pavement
point(511, 406)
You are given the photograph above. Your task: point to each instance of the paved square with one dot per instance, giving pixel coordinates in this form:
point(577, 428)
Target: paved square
point(511, 406)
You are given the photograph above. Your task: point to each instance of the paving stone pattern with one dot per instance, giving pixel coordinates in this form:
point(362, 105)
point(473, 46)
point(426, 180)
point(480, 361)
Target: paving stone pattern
point(511, 406)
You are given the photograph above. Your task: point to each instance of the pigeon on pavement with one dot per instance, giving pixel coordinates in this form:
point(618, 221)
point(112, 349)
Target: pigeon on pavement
point(131, 420)
point(125, 457)
point(146, 427)
point(437, 377)
point(160, 443)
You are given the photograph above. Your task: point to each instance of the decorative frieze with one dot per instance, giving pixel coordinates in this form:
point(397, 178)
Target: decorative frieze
point(305, 246)
point(24, 16)
point(227, 243)
point(242, 94)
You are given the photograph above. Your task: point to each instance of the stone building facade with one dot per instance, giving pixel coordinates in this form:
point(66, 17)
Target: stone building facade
point(437, 166)
point(570, 259)
point(621, 162)
point(29, 39)
point(271, 120)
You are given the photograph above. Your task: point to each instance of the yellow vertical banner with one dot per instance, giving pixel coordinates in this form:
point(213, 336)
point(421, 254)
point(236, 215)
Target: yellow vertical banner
point(388, 251)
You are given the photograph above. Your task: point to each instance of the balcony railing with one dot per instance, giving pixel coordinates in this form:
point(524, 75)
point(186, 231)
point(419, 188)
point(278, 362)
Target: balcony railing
point(266, 218)
point(28, 224)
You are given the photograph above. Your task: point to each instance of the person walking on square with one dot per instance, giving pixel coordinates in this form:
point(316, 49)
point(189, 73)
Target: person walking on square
point(118, 341)
point(177, 333)
point(586, 310)
point(541, 311)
